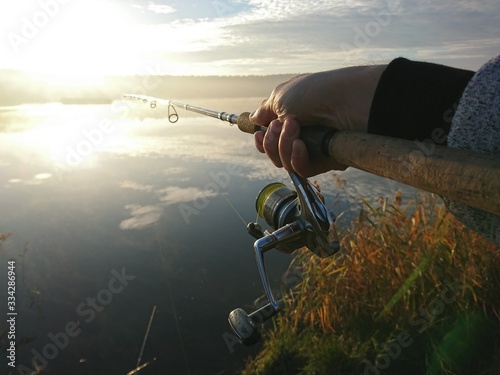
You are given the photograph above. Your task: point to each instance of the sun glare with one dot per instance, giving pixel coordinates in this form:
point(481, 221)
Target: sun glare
point(85, 40)
point(88, 38)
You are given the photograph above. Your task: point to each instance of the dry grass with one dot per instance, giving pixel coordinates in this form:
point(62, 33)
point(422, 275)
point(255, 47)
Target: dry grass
point(408, 271)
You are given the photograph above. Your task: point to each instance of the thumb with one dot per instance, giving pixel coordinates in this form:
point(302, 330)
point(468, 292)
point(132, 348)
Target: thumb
point(263, 116)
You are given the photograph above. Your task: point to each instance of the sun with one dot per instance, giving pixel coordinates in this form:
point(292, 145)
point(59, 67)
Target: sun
point(84, 39)
point(88, 38)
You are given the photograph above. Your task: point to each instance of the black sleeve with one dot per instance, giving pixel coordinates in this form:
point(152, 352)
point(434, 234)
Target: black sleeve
point(416, 100)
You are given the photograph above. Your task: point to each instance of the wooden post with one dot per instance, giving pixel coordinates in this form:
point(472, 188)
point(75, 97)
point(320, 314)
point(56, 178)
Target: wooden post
point(454, 174)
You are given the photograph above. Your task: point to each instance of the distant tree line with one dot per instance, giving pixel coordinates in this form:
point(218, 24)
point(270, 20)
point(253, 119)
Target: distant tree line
point(20, 88)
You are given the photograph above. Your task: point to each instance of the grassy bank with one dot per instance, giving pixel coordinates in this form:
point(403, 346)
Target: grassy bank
point(414, 292)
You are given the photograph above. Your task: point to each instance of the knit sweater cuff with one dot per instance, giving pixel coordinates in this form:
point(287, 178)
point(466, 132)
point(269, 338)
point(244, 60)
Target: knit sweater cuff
point(416, 100)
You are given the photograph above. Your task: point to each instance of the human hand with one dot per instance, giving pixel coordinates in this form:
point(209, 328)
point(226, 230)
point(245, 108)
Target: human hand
point(338, 98)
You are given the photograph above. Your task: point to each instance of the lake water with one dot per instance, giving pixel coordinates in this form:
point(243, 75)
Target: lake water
point(113, 210)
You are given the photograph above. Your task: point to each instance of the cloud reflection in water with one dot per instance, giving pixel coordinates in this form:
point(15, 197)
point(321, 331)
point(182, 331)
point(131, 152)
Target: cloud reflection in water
point(145, 216)
point(142, 216)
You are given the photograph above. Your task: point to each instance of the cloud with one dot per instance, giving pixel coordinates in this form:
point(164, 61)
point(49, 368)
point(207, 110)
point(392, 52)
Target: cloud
point(135, 186)
point(174, 170)
point(308, 34)
point(145, 216)
point(37, 179)
point(42, 176)
point(278, 36)
point(156, 8)
point(142, 216)
point(163, 9)
point(175, 195)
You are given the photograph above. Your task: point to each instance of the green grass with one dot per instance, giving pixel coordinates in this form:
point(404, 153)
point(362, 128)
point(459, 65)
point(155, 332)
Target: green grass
point(414, 292)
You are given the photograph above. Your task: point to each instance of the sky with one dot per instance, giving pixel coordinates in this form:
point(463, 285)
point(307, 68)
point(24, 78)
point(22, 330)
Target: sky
point(241, 37)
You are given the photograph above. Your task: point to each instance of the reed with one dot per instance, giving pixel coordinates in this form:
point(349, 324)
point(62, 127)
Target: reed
point(413, 292)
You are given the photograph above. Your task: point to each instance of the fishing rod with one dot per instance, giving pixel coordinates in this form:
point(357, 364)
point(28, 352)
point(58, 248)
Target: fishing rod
point(315, 137)
point(300, 218)
point(173, 117)
point(454, 174)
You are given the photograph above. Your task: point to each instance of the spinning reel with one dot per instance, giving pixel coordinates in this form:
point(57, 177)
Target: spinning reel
point(299, 218)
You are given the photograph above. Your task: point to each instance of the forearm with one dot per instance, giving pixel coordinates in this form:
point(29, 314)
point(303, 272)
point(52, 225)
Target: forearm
point(360, 84)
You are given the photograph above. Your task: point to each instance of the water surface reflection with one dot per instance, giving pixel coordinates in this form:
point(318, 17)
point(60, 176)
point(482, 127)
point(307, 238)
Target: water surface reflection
point(92, 192)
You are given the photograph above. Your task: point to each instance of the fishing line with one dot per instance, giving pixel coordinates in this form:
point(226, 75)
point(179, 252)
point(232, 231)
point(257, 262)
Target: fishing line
point(172, 304)
point(224, 195)
point(257, 219)
point(146, 337)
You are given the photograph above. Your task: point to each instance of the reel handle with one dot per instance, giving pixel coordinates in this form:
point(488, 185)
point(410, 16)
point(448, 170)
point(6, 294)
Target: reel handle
point(246, 326)
point(316, 138)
